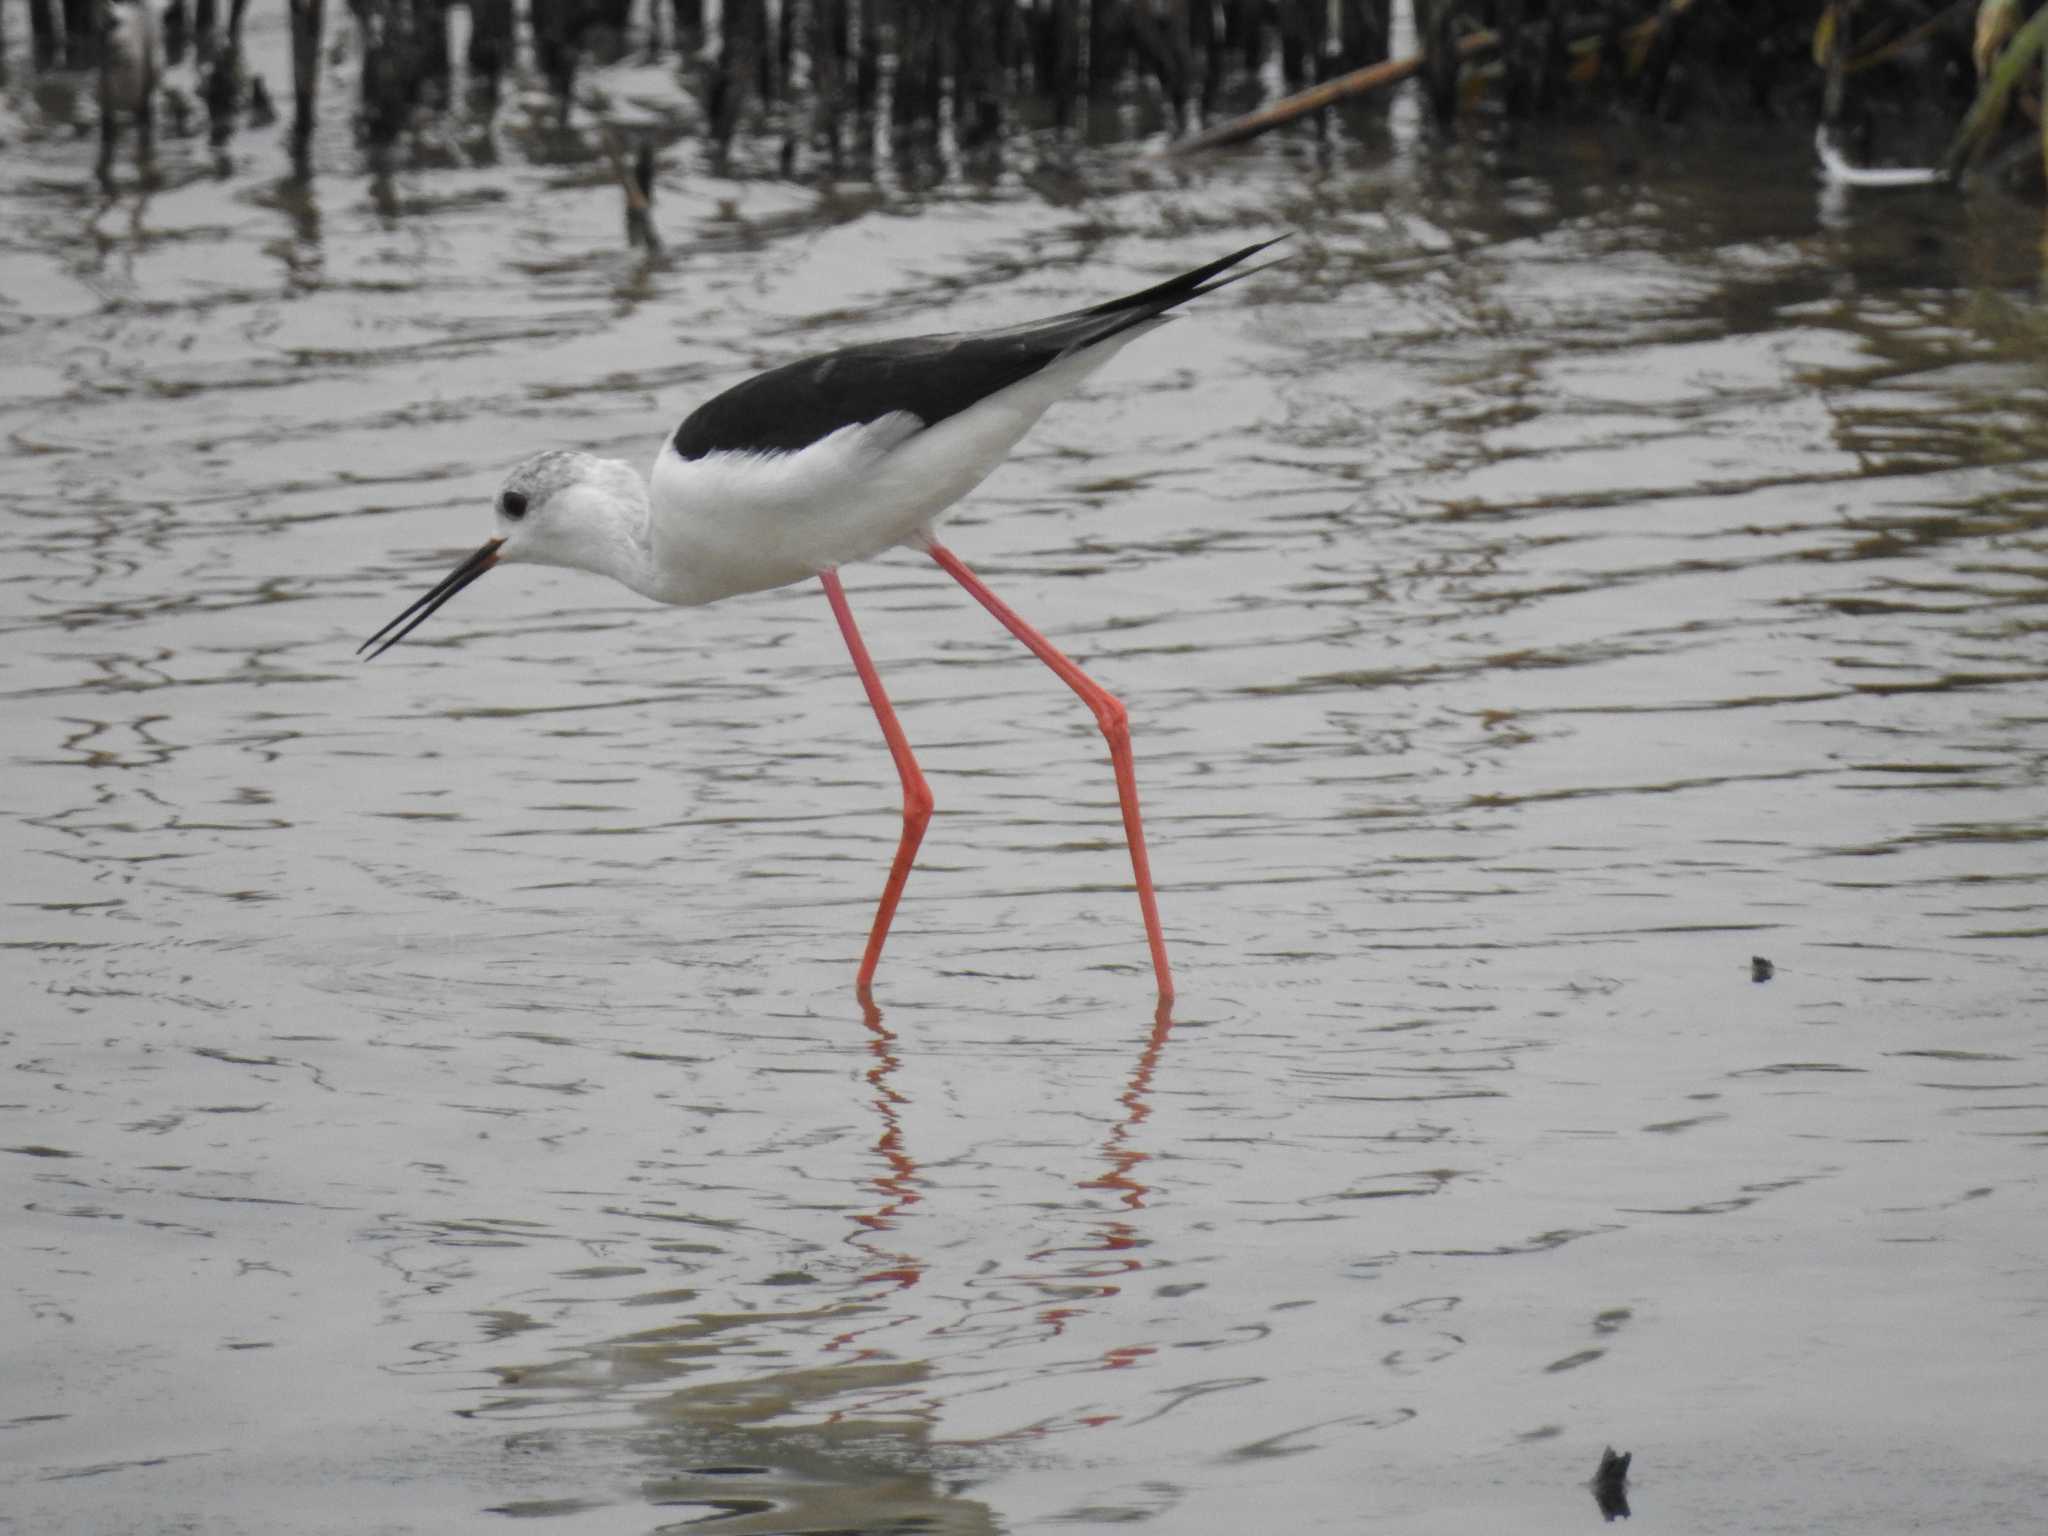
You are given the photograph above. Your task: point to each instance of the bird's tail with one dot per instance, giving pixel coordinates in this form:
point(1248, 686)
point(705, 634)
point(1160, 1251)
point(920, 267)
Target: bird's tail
point(1176, 291)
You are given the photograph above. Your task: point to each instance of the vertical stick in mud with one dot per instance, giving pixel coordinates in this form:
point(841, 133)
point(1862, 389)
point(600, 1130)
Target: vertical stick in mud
point(1363, 28)
point(1062, 56)
point(42, 32)
point(977, 76)
point(223, 84)
point(1109, 41)
point(867, 72)
point(110, 129)
point(307, 18)
point(83, 27)
point(827, 47)
point(689, 19)
point(429, 57)
point(490, 47)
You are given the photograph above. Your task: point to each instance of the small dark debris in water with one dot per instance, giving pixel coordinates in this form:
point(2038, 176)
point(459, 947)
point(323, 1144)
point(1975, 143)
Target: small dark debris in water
point(790, 1277)
point(544, 1509)
point(37, 1150)
point(1610, 1484)
point(1761, 969)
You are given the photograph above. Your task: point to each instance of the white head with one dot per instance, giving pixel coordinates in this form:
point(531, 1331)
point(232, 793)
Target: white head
point(555, 508)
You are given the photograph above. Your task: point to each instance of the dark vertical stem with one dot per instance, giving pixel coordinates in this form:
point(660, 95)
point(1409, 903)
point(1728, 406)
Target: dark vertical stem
point(1109, 43)
point(147, 66)
point(177, 31)
point(1013, 47)
point(1178, 54)
point(110, 128)
point(1062, 54)
point(1031, 16)
point(1833, 96)
point(556, 28)
point(835, 31)
point(42, 32)
point(430, 63)
point(1160, 29)
point(1205, 38)
point(1248, 26)
point(1663, 49)
point(914, 98)
point(751, 16)
point(382, 26)
point(737, 69)
point(205, 23)
point(490, 45)
point(1439, 56)
point(1300, 41)
point(83, 27)
point(788, 20)
point(689, 17)
point(977, 74)
point(1514, 66)
point(867, 71)
point(827, 50)
point(1613, 62)
point(223, 85)
point(308, 17)
point(638, 185)
point(1362, 32)
point(1553, 63)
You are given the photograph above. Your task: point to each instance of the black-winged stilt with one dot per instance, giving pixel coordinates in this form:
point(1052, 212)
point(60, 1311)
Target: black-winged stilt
point(835, 458)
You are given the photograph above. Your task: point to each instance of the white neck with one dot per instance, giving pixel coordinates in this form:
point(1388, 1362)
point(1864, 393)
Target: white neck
point(597, 524)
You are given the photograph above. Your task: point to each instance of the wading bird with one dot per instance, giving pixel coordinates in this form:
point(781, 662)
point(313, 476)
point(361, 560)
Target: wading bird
point(839, 457)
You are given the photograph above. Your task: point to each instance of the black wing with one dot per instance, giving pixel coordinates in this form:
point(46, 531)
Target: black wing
point(931, 377)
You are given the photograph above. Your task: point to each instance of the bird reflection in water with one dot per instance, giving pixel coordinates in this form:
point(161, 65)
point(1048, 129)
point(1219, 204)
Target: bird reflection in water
point(1083, 1275)
point(1114, 1254)
point(898, 1182)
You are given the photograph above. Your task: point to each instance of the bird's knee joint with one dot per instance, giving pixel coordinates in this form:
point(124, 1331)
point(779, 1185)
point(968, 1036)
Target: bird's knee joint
point(1114, 719)
point(917, 803)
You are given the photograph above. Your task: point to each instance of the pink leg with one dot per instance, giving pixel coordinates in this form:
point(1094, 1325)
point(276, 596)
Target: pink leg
point(1110, 715)
point(917, 798)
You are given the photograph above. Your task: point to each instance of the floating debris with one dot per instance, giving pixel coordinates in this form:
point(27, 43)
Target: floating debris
point(1843, 174)
point(1610, 1484)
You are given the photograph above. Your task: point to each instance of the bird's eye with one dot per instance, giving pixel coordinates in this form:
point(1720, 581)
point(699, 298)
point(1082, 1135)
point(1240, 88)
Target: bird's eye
point(513, 504)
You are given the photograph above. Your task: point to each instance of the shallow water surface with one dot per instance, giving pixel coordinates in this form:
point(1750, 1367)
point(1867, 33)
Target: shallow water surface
point(435, 1094)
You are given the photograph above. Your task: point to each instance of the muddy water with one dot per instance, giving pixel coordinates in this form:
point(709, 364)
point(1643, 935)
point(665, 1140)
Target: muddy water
point(434, 1093)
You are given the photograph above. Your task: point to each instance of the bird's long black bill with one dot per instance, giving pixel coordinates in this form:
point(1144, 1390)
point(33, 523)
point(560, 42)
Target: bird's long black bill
point(424, 606)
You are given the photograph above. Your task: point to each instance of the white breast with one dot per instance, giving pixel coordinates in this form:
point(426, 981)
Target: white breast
point(728, 523)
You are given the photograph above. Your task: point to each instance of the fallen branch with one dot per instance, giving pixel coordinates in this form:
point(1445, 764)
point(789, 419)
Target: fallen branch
point(1373, 77)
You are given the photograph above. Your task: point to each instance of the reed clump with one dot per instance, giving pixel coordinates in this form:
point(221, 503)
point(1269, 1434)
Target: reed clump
point(830, 86)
